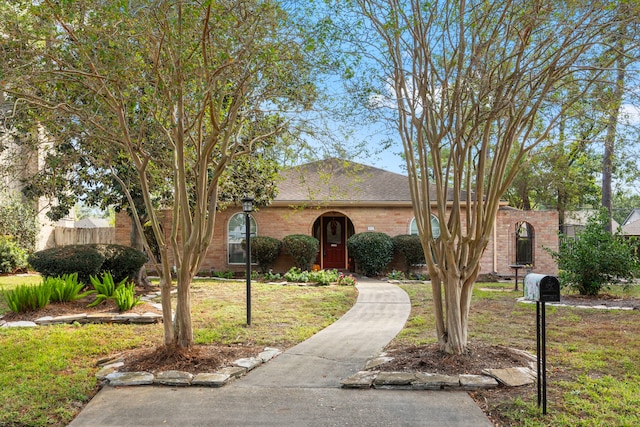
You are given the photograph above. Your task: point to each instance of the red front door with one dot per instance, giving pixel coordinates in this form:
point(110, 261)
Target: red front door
point(333, 237)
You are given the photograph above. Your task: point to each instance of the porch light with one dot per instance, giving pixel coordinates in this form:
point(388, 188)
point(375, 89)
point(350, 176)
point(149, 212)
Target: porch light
point(247, 207)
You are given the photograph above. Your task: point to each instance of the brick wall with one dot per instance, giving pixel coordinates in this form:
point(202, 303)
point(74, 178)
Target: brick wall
point(279, 222)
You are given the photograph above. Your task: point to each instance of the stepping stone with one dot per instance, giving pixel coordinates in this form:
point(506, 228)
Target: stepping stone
point(425, 381)
point(477, 382)
point(512, 377)
point(268, 354)
point(362, 379)
point(210, 380)
point(174, 378)
point(118, 379)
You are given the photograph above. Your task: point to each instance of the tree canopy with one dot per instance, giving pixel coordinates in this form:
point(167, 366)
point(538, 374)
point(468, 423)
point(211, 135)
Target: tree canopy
point(175, 91)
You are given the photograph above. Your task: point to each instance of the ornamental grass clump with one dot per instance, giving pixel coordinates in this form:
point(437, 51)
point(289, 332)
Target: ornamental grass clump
point(105, 288)
point(125, 298)
point(25, 298)
point(65, 288)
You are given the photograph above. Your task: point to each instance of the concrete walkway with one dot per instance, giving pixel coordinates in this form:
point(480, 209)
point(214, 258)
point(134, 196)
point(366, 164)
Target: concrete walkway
point(301, 387)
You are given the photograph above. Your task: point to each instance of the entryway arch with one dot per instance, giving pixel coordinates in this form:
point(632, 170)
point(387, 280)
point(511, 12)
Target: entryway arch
point(332, 229)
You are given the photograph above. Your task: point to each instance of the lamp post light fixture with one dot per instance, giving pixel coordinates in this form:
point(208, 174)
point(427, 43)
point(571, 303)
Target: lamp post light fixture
point(247, 207)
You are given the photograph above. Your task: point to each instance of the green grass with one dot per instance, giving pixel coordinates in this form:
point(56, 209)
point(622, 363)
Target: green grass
point(593, 356)
point(48, 373)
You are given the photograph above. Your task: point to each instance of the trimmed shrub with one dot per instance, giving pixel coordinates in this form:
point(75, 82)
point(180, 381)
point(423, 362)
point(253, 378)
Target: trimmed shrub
point(88, 260)
point(12, 256)
point(121, 261)
point(409, 248)
point(372, 251)
point(302, 248)
point(82, 259)
point(265, 251)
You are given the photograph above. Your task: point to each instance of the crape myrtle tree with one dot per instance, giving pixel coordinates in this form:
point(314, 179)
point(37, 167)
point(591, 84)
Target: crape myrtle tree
point(173, 88)
point(465, 85)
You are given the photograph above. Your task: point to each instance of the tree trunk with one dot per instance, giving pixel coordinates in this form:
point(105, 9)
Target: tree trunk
point(610, 138)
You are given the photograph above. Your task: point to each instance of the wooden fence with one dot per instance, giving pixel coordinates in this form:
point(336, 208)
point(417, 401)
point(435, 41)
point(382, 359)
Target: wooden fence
point(80, 236)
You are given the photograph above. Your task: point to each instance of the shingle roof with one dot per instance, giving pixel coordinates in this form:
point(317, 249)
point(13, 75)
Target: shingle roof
point(337, 181)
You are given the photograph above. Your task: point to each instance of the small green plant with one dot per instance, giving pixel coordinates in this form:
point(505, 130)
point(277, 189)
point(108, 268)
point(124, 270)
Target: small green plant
point(271, 276)
point(105, 288)
point(302, 248)
point(396, 275)
point(125, 297)
point(323, 277)
point(65, 288)
point(372, 251)
point(295, 274)
point(26, 298)
point(222, 274)
point(344, 280)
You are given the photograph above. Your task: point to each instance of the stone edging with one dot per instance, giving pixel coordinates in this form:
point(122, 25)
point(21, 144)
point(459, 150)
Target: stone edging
point(85, 318)
point(490, 378)
point(110, 376)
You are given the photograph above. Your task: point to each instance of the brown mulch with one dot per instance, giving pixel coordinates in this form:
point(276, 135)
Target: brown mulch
point(602, 299)
point(197, 359)
point(429, 358)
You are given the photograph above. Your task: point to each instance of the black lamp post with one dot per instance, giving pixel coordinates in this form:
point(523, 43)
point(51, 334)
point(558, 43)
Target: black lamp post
point(247, 207)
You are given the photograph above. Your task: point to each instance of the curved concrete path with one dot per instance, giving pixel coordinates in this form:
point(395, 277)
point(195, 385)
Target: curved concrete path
point(301, 387)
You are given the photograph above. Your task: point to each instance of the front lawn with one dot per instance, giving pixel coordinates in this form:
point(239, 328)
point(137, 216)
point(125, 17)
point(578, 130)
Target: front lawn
point(48, 373)
point(593, 356)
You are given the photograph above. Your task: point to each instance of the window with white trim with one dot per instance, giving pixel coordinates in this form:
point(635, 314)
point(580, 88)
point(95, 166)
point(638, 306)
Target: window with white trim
point(236, 230)
point(435, 226)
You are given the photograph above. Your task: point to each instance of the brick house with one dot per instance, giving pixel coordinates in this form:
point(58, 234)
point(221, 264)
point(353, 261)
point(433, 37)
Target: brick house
point(333, 199)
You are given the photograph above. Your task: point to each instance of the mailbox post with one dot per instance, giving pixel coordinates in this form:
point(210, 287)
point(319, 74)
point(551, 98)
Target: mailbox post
point(541, 289)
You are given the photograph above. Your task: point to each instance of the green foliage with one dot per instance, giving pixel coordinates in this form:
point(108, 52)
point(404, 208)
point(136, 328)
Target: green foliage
point(372, 251)
point(26, 298)
point(18, 221)
point(409, 248)
point(271, 276)
point(82, 259)
point(65, 288)
point(88, 260)
point(596, 258)
point(396, 275)
point(12, 256)
point(302, 248)
point(222, 274)
point(295, 274)
point(105, 288)
point(344, 280)
point(121, 261)
point(322, 277)
point(125, 297)
point(265, 251)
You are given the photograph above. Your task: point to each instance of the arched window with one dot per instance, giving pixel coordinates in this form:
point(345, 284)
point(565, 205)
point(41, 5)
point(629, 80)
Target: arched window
point(236, 238)
point(435, 226)
point(524, 243)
